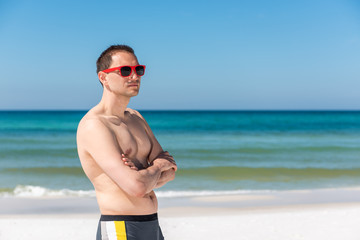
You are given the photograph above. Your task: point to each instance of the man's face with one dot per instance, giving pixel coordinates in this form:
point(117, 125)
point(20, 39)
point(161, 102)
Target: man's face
point(125, 86)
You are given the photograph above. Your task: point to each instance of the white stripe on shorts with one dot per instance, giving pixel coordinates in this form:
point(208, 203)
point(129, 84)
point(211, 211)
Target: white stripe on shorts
point(111, 231)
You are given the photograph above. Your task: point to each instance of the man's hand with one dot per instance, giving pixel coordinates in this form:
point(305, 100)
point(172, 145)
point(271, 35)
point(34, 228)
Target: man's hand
point(164, 164)
point(128, 162)
point(163, 157)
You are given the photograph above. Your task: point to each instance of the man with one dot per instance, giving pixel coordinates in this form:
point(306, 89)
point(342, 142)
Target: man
point(120, 154)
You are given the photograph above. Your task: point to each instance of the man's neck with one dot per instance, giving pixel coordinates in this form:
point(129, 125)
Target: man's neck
point(113, 105)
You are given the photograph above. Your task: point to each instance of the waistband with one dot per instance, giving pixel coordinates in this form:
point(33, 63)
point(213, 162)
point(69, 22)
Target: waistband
point(137, 218)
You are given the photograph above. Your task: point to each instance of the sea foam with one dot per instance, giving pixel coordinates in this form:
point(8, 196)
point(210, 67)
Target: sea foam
point(29, 191)
point(37, 191)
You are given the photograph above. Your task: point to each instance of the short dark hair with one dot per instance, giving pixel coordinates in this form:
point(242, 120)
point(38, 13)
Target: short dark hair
point(105, 59)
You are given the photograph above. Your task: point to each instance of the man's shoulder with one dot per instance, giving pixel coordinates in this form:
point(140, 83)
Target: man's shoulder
point(134, 113)
point(90, 122)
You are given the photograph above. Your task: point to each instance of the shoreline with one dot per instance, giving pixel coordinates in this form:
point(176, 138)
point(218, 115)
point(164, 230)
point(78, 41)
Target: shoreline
point(248, 200)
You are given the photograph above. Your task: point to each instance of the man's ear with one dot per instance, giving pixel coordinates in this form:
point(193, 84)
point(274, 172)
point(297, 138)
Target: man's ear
point(102, 78)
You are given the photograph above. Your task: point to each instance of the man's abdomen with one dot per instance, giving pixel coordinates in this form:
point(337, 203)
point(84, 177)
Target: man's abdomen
point(119, 203)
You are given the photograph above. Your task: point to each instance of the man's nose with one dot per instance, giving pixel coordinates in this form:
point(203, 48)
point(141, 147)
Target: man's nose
point(134, 75)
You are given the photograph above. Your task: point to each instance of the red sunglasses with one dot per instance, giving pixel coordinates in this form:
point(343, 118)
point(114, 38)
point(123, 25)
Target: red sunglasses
point(126, 71)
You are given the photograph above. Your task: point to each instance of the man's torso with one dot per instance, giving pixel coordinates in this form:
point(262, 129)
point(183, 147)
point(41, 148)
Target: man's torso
point(132, 139)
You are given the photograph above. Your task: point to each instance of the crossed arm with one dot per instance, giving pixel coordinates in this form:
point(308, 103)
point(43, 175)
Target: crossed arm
point(165, 176)
point(156, 175)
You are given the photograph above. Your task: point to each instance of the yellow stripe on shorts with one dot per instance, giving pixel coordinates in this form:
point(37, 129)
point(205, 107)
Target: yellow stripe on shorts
point(120, 230)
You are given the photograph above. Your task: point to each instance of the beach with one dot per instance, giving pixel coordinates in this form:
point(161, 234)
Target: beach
point(267, 149)
point(302, 214)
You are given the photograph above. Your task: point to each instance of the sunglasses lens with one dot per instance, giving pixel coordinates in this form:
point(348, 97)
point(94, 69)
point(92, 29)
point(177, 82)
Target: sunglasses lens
point(125, 71)
point(140, 70)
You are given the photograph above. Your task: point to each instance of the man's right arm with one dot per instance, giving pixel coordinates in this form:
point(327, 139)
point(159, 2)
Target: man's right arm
point(95, 138)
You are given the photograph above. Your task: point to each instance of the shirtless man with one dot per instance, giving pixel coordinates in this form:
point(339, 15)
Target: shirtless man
point(120, 154)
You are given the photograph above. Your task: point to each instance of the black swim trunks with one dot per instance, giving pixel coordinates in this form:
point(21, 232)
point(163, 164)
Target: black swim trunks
point(129, 227)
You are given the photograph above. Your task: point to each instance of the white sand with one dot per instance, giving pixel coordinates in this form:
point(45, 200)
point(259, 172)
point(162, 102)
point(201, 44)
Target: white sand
point(311, 222)
point(199, 218)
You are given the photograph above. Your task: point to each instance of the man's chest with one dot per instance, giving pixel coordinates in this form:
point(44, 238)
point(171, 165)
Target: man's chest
point(134, 142)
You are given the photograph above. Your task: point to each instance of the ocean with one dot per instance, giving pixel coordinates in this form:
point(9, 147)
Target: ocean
point(217, 152)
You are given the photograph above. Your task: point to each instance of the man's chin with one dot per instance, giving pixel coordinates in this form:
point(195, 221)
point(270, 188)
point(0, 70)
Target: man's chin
point(134, 93)
point(128, 94)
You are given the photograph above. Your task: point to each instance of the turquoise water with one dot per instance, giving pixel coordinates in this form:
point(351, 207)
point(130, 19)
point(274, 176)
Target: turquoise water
point(215, 150)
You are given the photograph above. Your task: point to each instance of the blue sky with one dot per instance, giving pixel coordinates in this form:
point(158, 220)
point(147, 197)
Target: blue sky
point(199, 54)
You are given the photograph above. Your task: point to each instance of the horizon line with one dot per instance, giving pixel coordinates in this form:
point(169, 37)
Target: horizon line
point(189, 110)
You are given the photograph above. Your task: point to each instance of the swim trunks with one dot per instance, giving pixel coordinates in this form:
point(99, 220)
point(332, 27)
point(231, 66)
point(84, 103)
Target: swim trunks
point(129, 227)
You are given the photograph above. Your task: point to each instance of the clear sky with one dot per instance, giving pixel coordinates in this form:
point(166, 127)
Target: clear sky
point(246, 55)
